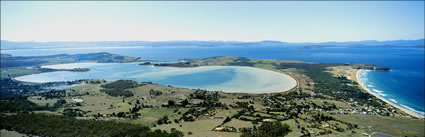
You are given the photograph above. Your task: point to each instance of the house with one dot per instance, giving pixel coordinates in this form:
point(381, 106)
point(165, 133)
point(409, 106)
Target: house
point(225, 129)
point(219, 129)
point(78, 100)
point(268, 120)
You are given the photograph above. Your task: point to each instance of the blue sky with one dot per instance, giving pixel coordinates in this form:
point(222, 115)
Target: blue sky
point(208, 20)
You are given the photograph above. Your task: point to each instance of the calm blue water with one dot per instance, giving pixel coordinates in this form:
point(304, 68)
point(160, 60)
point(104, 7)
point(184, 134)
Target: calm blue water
point(215, 78)
point(404, 83)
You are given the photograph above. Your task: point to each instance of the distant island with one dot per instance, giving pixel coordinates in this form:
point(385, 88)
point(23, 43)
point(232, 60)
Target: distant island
point(101, 57)
point(8, 45)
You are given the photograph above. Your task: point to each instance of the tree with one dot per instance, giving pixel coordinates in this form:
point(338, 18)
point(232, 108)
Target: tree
point(267, 129)
point(171, 103)
point(121, 114)
point(184, 102)
point(228, 119)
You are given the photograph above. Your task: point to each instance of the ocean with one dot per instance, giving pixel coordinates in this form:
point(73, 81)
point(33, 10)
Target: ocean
point(402, 85)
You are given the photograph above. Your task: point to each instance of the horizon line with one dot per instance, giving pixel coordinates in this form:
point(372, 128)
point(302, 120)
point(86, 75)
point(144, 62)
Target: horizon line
point(215, 41)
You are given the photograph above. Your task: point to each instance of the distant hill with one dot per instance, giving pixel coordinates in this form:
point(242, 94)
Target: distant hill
point(101, 57)
point(368, 43)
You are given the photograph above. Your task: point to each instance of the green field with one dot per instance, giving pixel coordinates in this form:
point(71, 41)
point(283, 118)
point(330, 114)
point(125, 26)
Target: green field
point(393, 126)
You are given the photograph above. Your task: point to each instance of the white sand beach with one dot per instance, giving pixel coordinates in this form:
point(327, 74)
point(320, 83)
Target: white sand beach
point(383, 99)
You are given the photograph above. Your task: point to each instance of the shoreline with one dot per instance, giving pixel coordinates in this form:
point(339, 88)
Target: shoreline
point(248, 67)
point(413, 114)
point(261, 90)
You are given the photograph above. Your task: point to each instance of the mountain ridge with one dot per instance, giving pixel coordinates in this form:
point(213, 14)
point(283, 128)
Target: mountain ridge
point(419, 43)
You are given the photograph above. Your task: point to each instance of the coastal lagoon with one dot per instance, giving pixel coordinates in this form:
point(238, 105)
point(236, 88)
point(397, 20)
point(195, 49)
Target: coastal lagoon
point(232, 79)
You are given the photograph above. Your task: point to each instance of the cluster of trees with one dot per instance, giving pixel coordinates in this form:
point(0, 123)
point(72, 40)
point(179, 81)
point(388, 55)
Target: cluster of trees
point(21, 104)
point(13, 88)
point(210, 101)
point(117, 92)
point(132, 113)
point(63, 126)
point(74, 70)
point(184, 102)
point(338, 88)
point(320, 117)
point(163, 120)
point(210, 104)
point(266, 129)
point(191, 114)
point(210, 98)
point(122, 84)
point(179, 64)
point(242, 62)
point(154, 93)
point(53, 94)
point(73, 112)
point(119, 88)
point(243, 105)
point(205, 95)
